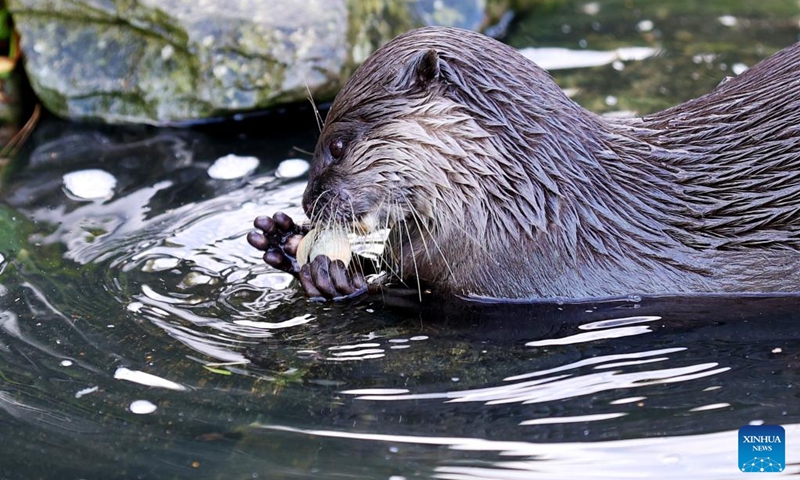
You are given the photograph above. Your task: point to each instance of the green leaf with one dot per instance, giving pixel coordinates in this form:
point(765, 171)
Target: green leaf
point(217, 370)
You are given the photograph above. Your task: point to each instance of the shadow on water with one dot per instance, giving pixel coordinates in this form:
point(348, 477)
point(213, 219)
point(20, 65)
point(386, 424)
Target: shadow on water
point(140, 337)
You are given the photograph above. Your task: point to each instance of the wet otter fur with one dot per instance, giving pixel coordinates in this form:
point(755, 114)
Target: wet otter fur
point(496, 184)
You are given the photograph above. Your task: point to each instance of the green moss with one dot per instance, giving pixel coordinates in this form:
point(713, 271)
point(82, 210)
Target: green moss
point(373, 23)
point(15, 245)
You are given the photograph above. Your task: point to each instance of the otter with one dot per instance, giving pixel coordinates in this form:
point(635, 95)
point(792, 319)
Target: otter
point(495, 184)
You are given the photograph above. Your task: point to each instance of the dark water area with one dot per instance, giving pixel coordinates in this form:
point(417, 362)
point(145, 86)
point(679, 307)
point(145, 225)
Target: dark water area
point(142, 338)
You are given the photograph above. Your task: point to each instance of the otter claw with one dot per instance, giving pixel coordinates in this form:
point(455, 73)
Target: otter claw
point(284, 221)
point(321, 274)
point(265, 223)
point(278, 238)
point(356, 294)
point(323, 279)
point(275, 258)
point(307, 282)
point(257, 240)
point(338, 274)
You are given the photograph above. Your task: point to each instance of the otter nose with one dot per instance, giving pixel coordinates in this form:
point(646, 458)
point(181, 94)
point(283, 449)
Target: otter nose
point(322, 202)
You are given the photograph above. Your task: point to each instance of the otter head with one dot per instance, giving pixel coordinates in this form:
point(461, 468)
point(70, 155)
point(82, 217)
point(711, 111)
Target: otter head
point(376, 157)
point(438, 124)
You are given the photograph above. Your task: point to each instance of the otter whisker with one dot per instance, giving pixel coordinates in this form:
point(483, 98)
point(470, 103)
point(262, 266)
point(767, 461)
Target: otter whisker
point(354, 229)
point(331, 222)
point(413, 257)
point(415, 216)
point(313, 213)
point(399, 260)
point(384, 260)
point(395, 229)
point(314, 107)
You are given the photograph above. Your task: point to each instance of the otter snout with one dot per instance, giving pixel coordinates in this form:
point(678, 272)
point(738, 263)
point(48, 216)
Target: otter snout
point(325, 202)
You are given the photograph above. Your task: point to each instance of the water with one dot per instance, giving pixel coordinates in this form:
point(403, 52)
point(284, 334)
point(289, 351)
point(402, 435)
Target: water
point(140, 337)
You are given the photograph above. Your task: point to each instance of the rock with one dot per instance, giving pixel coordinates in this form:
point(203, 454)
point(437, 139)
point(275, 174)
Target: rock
point(166, 61)
point(173, 61)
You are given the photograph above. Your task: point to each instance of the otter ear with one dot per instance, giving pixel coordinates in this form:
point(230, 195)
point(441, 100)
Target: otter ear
point(423, 69)
point(427, 67)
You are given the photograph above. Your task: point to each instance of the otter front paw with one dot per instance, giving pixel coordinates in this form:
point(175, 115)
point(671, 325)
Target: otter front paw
point(330, 280)
point(278, 238)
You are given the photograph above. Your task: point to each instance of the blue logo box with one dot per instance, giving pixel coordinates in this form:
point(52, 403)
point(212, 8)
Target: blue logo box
point(762, 448)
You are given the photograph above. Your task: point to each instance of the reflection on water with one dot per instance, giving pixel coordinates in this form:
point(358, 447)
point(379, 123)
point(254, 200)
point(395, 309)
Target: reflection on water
point(554, 384)
point(141, 337)
point(691, 456)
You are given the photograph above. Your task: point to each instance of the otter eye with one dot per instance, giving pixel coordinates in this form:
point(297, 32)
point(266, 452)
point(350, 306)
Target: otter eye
point(337, 148)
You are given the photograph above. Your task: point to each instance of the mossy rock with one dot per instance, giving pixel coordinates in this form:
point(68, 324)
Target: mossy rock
point(171, 61)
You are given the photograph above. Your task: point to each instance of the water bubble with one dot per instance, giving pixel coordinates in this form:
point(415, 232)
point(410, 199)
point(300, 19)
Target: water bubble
point(645, 26)
point(592, 8)
point(90, 184)
point(738, 68)
point(292, 168)
point(134, 307)
point(85, 391)
point(232, 166)
point(142, 407)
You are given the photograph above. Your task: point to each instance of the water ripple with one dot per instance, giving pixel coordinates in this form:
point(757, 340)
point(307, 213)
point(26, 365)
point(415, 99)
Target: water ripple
point(564, 382)
point(689, 457)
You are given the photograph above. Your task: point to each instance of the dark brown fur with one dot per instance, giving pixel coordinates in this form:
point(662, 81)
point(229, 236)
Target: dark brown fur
point(496, 184)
